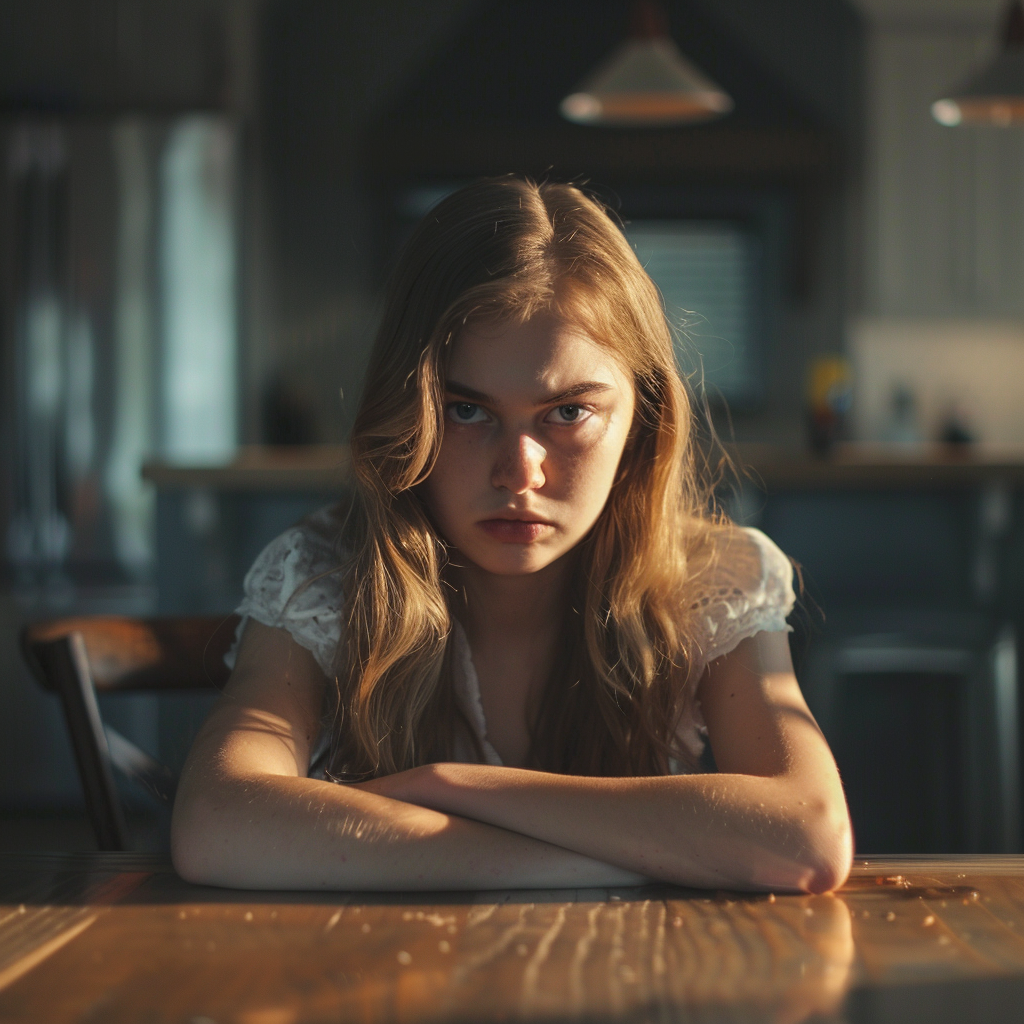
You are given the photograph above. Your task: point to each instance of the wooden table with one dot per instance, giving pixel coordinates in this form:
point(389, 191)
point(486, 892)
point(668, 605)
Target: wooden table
point(118, 937)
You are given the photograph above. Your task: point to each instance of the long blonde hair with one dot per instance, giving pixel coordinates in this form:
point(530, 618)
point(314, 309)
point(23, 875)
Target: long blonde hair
point(502, 249)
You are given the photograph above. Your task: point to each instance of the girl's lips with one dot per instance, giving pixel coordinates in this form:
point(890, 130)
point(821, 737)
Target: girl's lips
point(514, 531)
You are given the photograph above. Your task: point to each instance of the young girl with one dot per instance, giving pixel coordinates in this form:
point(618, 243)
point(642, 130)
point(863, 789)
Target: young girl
point(501, 662)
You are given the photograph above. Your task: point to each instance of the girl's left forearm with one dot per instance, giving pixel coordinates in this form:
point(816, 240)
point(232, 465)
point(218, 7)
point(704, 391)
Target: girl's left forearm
point(716, 830)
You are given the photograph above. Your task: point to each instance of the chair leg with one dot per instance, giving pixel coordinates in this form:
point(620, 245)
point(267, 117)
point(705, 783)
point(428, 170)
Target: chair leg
point(1004, 677)
point(66, 662)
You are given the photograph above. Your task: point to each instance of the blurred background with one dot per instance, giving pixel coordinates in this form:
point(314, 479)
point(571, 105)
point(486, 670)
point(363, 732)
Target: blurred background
point(200, 203)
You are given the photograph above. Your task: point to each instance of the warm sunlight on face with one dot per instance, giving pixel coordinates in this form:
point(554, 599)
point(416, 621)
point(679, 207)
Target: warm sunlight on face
point(536, 420)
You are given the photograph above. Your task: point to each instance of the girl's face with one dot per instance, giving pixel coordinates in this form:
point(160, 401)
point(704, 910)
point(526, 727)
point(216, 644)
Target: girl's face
point(536, 420)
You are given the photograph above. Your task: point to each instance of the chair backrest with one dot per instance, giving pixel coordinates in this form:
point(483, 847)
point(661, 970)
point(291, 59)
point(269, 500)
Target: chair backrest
point(125, 654)
point(76, 657)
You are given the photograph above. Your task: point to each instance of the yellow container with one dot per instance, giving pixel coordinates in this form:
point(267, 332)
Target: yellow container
point(829, 396)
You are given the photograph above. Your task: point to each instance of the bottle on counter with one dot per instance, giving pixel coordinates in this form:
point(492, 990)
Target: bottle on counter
point(829, 397)
point(955, 428)
point(903, 427)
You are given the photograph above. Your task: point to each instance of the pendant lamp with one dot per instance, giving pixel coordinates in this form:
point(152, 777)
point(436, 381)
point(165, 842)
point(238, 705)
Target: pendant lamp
point(646, 81)
point(996, 94)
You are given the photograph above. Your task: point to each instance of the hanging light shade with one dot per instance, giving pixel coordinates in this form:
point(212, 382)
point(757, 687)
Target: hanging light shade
point(996, 94)
point(646, 82)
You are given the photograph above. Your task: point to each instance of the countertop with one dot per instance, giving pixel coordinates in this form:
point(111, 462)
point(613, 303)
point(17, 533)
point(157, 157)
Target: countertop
point(768, 467)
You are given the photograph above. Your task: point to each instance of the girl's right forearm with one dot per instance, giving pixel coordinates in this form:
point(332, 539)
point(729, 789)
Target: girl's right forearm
point(285, 832)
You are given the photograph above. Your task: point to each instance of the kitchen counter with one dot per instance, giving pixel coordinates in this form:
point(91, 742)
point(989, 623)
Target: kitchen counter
point(768, 467)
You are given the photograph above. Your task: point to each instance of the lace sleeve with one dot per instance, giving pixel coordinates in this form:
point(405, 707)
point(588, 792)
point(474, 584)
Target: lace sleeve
point(750, 590)
point(291, 586)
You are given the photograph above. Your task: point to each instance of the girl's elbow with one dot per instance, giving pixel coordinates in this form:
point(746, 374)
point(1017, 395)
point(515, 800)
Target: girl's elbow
point(815, 855)
point(194, 843)
point(828, 849)
point(828, 874)
point(189, 861)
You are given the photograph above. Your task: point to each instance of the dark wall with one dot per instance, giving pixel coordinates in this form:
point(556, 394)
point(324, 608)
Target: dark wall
point(98, 56)
point(328, 68)
point(355, 97)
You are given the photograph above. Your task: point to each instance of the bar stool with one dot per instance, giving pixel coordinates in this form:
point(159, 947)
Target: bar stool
point(927, 699)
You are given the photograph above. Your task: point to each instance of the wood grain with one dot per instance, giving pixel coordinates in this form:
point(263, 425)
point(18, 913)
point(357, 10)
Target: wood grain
point(123, 939)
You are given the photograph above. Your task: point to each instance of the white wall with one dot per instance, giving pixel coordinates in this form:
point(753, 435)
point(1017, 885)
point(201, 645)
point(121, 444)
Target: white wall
point(945, 206)
point(943, 294)
point(977, 366)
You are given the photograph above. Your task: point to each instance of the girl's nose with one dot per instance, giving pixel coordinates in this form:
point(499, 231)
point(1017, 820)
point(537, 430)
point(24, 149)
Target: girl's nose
point(520, 466)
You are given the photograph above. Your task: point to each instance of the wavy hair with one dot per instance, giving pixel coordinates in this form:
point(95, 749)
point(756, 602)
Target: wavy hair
point(501, 250)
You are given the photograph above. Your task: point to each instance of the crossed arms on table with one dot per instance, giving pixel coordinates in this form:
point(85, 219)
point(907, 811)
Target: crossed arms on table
point(773, 817)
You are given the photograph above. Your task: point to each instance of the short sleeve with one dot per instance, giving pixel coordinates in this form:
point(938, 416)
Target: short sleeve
point(748, 590)
point(294, 585)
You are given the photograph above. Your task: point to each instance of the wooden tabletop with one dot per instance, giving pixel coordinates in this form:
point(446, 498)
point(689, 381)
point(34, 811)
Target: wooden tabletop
point(325, 468)
point(119, 938)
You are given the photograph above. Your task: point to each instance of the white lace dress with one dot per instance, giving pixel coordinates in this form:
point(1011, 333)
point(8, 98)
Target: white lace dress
point(291, 585)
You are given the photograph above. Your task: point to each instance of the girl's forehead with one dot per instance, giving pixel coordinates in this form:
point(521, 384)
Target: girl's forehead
point(541, 347)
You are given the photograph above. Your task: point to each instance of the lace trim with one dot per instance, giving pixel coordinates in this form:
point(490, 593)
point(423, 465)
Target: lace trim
point(751, 592)
point(291, 586)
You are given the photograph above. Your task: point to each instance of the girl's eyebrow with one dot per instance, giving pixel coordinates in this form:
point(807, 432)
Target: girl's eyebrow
point(584, 387)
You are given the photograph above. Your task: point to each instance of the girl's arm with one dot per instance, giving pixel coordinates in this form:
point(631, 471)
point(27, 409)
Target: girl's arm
point(773, 817)
point(245, 814)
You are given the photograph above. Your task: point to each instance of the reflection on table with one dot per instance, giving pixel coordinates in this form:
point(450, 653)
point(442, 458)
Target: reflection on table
point(119, 937)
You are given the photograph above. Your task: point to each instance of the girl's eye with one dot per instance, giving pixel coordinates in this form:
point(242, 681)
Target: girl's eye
point(466, 412)
point(569, 414)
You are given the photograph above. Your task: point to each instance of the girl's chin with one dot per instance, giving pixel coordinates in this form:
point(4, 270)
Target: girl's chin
point(512, 561)
point(525, 567)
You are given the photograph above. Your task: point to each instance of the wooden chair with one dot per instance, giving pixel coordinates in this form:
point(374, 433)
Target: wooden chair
point(78, 657)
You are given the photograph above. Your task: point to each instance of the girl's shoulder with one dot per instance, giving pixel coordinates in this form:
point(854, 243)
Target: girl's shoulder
point(295, 584)
point(744, 586)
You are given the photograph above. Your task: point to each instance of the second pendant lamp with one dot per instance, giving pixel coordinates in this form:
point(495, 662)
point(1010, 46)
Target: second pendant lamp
point(995, 95)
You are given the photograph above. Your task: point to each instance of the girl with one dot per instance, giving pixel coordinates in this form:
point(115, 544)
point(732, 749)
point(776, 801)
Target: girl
point(513, 643)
